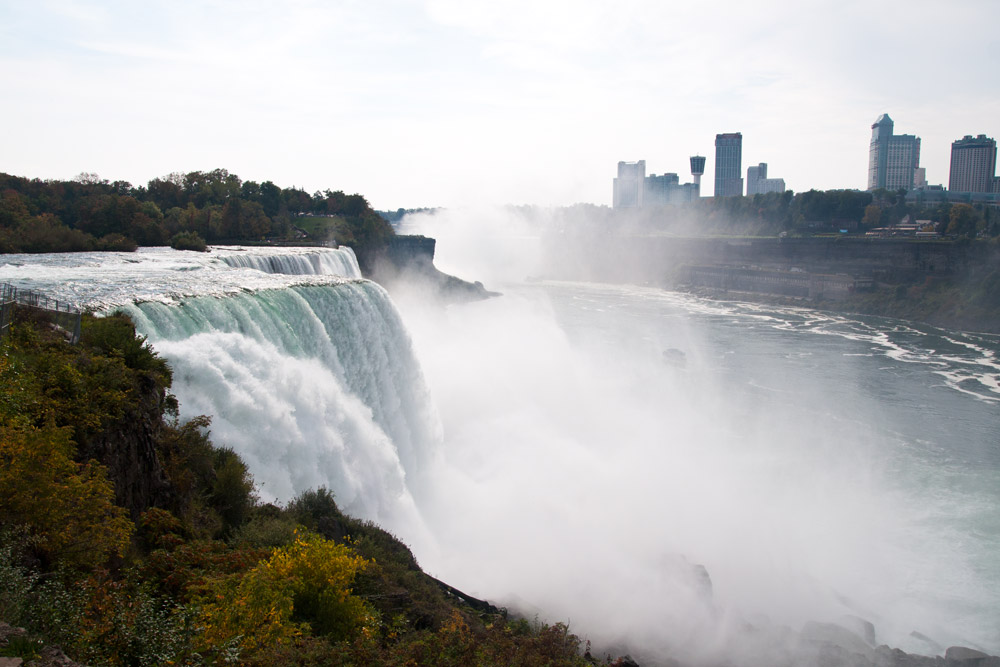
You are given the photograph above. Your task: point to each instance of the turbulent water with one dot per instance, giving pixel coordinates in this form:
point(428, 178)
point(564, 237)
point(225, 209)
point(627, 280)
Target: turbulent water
point(590, 453)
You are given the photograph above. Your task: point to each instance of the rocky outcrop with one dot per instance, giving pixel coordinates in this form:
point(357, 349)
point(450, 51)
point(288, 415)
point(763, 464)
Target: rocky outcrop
point(408, 262)
point(46, 656)
point(127, 447)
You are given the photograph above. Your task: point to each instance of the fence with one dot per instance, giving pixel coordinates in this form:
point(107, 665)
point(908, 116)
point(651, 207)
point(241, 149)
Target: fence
point(7, 294)
point(63, 315)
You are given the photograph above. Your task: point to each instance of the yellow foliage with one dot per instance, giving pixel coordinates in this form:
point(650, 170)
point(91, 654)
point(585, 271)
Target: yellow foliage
point(302, 589)
point(68, 507)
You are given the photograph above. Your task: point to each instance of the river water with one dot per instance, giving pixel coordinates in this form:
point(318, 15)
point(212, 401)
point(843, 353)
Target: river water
point(659, 470)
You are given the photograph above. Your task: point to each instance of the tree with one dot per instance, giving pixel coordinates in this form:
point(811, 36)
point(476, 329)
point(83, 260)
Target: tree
point(873, 216)
point(964, 220)
point(67, 507)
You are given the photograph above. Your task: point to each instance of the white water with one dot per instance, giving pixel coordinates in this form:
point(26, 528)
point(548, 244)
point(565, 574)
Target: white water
point(815, 465)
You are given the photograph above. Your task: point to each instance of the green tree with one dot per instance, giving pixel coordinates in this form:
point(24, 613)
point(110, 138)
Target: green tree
point(67, 507)
point(964, 220)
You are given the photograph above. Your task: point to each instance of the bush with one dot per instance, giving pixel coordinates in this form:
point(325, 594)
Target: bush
point(67, 508)
point(302, 589)
point(188, 241)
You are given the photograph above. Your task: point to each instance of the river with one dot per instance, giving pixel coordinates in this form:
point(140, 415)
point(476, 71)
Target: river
point(661, 471)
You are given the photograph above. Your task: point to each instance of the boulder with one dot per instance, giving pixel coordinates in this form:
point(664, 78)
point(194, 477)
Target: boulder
point(963, 653)
point(836, 635)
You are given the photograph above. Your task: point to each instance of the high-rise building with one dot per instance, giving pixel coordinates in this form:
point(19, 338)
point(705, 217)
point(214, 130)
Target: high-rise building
point(728, 165)
point(759, 184)
point(893, 159)
point(629, 184)
point(973, 164)
point(633, 189)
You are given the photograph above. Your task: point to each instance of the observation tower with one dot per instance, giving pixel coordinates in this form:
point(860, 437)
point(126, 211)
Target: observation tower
point(697, 169)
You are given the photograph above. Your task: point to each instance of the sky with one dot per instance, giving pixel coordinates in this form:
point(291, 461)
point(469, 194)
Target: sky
point(454, 103)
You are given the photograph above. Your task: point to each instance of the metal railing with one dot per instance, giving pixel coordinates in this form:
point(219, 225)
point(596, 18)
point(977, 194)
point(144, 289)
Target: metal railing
point(63, 315)
point(7, 300)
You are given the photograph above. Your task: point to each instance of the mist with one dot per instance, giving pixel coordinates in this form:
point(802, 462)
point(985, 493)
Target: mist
point(655, 507)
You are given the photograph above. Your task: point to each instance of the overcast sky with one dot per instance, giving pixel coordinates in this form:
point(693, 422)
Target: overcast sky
point(453, 102)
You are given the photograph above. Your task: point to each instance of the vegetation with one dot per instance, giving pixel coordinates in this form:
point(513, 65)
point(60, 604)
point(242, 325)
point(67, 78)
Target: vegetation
point(188, 241)
point(184, 210)
point(786, 214)
point(168, 557)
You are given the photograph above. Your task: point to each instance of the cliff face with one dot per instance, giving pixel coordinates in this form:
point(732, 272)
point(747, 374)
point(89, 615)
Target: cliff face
point(953, 284)
point(408, 262)
point(127, 447)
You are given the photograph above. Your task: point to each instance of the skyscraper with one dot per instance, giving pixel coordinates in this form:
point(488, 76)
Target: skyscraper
point(629, 185)
point(754, 176)
point(728, 165)
point(893, 159)
point(973, 164)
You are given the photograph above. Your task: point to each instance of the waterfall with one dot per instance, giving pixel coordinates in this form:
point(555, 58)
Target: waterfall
point(325, 261)
point(313, 385)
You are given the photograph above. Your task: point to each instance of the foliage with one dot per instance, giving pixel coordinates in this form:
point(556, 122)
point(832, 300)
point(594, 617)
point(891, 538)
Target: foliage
point(964, 221)
point(68, 508)
point(271, 592)
point(188, 241)
point(303, 588)
point(190, 210)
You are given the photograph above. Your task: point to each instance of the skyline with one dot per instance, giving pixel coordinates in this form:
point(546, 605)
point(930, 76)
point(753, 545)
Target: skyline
point(452, 103)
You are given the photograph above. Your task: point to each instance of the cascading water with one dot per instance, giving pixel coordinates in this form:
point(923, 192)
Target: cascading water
point(314, 385)
point(341, 262)
point(306, 371)
point(815, 466)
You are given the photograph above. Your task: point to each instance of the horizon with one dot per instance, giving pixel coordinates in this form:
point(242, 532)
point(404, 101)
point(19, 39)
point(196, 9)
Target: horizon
point(441, 103)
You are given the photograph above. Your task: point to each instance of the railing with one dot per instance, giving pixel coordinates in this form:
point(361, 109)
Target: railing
point(63, 315)
point(7, 300)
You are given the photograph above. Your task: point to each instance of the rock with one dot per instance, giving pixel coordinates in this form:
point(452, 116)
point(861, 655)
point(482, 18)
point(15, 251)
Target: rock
point(11, 662)
point(52, 656)
point(835, 635)
point(963, 653)
point(894, 657)
point(7, 630)
point(859, 626)
point(932, 646)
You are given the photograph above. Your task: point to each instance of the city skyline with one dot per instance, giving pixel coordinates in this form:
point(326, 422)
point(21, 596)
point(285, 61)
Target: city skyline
point(450, 103)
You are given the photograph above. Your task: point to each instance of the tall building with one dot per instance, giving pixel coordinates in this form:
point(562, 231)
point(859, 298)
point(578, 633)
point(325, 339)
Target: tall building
point(630, 184)
point(893, 159)
point(728, 165)
point(667, 189)
point(973, 164)
point(633, 189)
point(759, 184)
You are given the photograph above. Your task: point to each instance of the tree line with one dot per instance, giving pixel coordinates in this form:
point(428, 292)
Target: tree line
point(90, 213)
point(798, 214)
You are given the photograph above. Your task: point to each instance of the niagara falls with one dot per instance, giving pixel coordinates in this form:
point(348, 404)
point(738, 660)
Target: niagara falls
point(671, 475)
point(457, 333)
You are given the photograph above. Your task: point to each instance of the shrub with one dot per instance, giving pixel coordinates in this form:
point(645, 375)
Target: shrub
point(188, 241)
point(68, 508)
point(302, 589)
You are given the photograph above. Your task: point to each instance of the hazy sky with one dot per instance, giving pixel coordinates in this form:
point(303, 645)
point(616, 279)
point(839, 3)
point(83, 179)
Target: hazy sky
point(452, 102)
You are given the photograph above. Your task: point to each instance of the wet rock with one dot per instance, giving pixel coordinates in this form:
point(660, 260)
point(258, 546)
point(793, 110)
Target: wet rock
point(835, 635)
point(933, 647)
point(859, 626)
point(963, 654)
